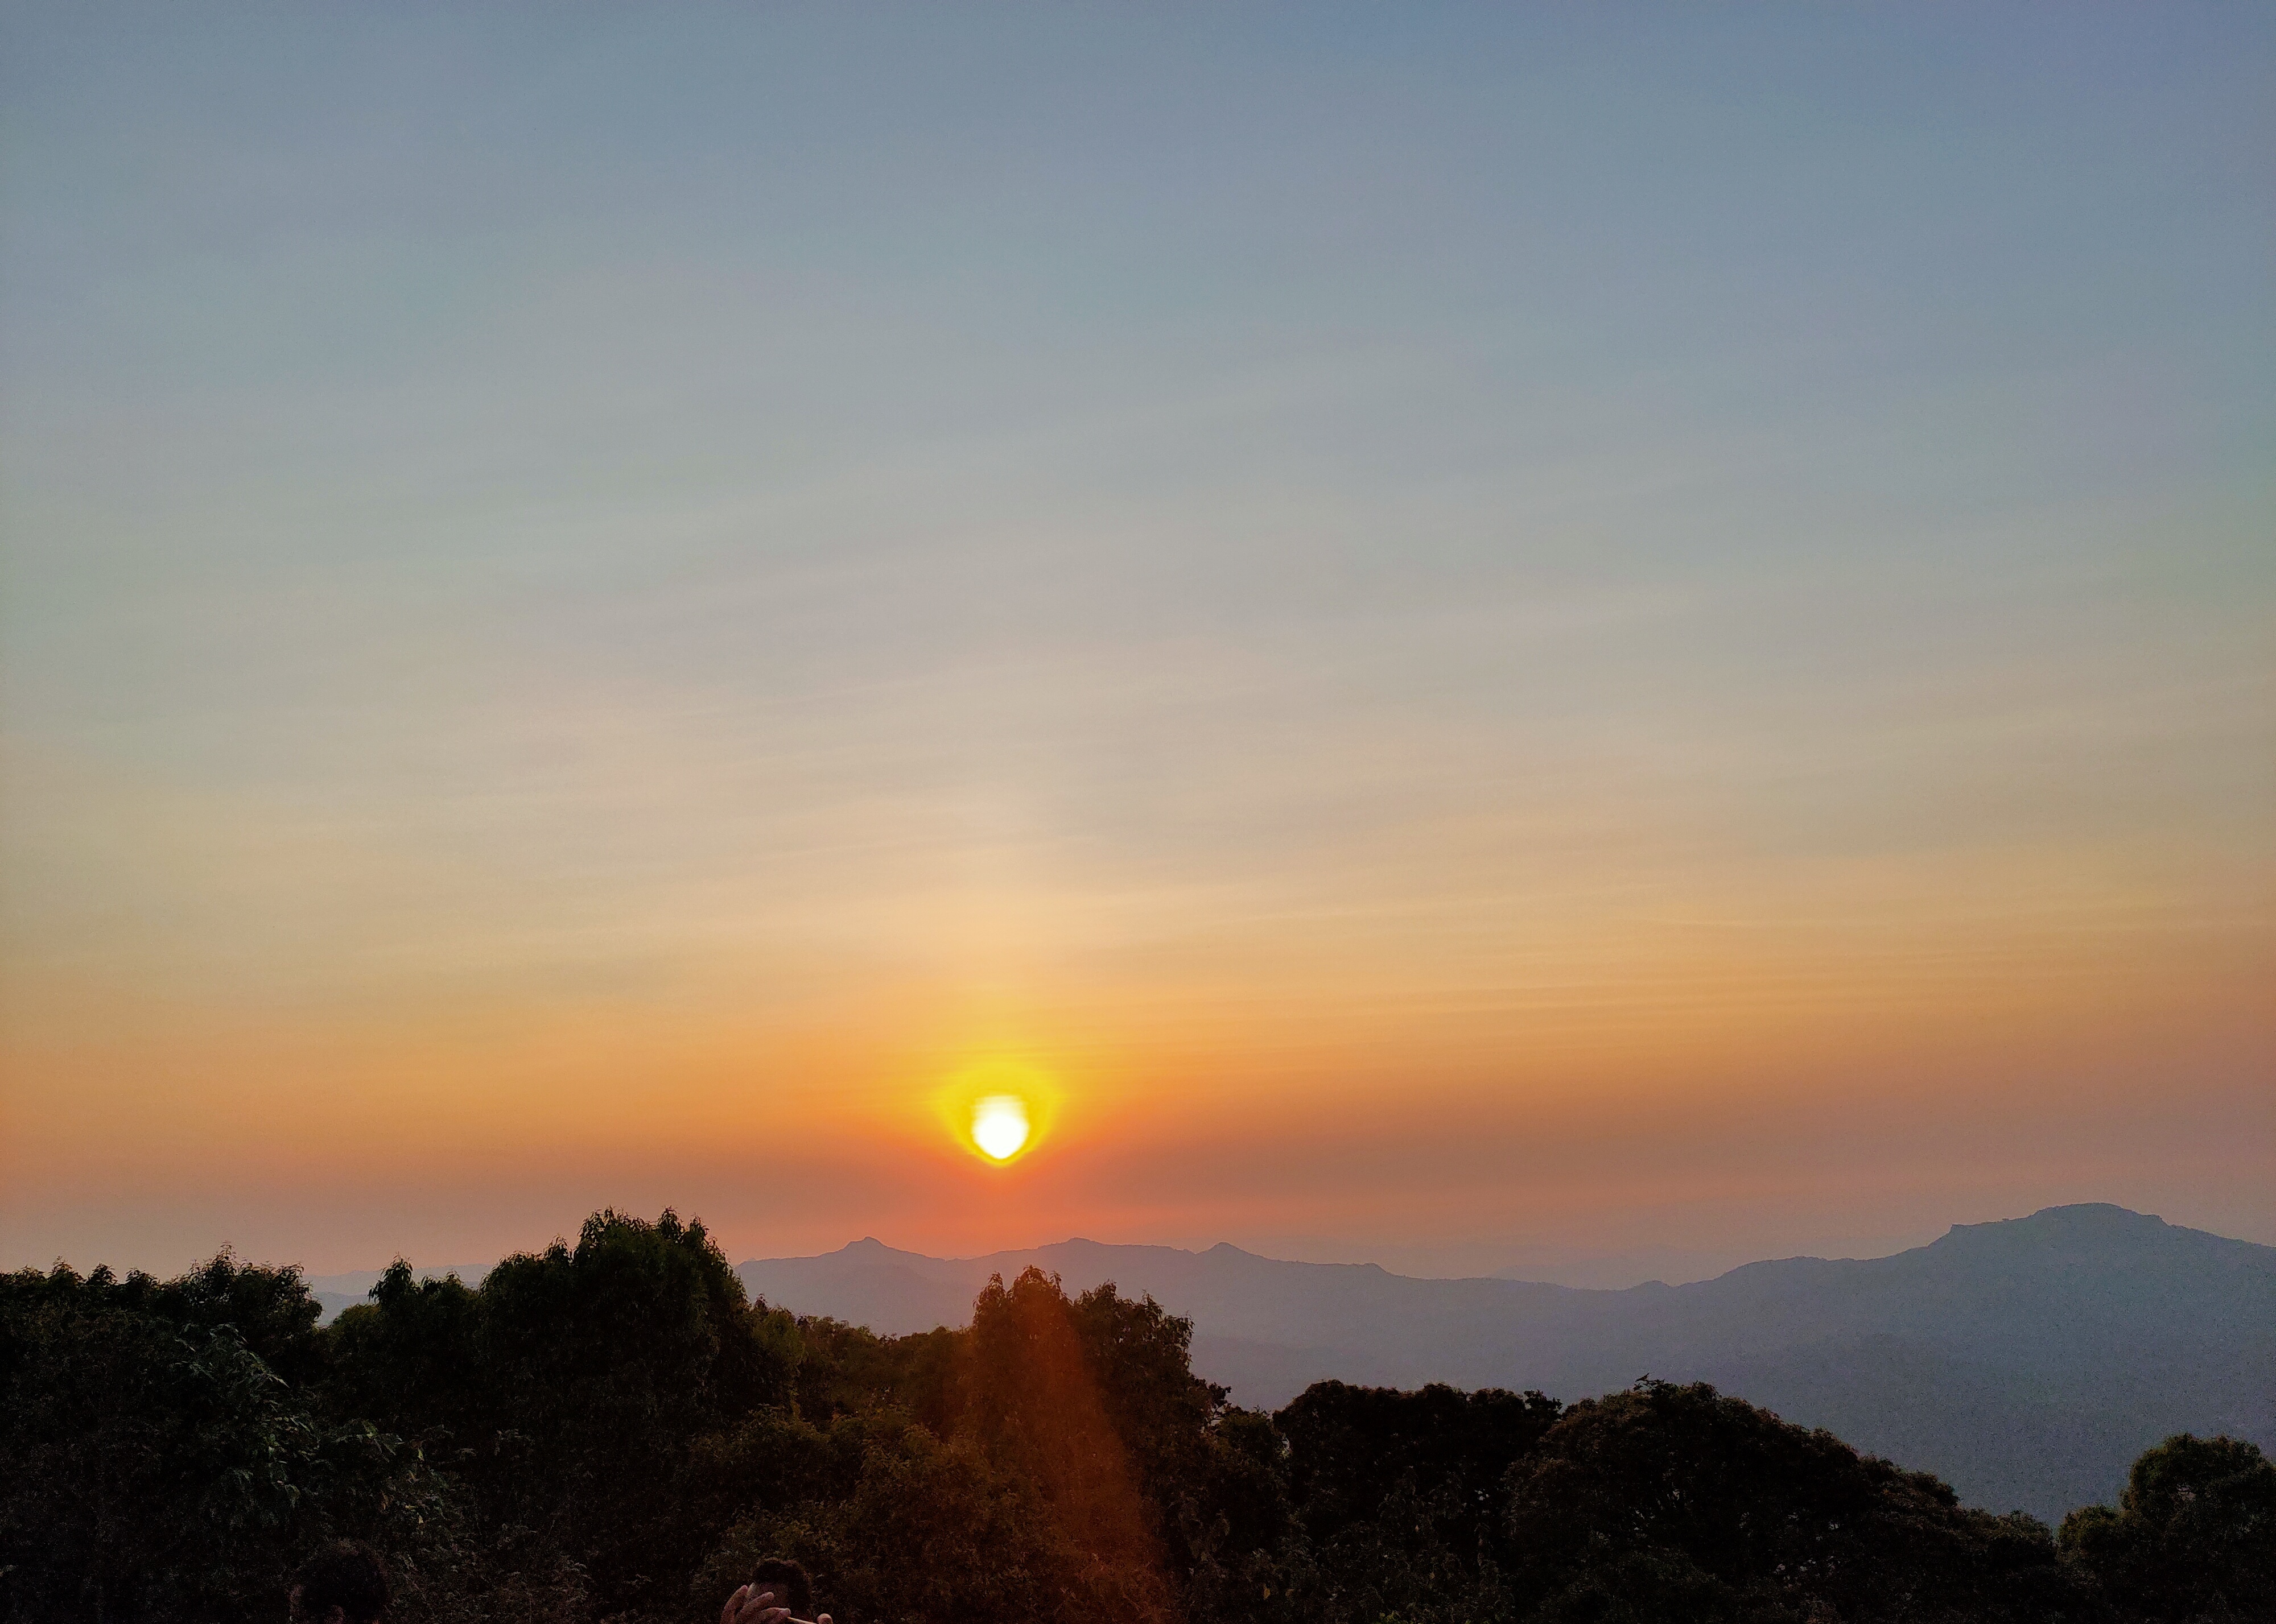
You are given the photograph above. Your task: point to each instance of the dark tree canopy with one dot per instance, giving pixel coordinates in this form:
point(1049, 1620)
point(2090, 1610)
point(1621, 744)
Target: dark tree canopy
point(1398, 1496)
point(159, 1466)
point(2193, 1536)
point(610, 1430)
point(569, 1388)
point(1351, 1447)
point(1667, 1491)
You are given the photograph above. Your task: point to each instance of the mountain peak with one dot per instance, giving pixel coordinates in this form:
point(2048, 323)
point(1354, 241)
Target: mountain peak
point(2098, 1214)
point(2088, 1227)
point(2083, 1217)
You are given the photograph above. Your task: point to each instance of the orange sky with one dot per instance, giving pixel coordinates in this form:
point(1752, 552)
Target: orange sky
point(1863, 1063)
point(1616, 642)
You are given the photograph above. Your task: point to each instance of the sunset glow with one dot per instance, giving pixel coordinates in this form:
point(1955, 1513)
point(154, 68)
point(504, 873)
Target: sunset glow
point(1396, 638)
point(1000, 1125)
point(998, 1108)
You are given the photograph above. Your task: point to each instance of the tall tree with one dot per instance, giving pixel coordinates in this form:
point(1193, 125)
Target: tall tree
point(2192, 1537)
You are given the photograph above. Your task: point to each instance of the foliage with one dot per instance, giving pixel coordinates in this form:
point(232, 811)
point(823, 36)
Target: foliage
point(569, 1389)
point(159, 1467)
point(846, 1369)
point(610, 1430)
point(896, 1524)
point(1400, 1497)
point(2192, 1537)
point(1666, 1491)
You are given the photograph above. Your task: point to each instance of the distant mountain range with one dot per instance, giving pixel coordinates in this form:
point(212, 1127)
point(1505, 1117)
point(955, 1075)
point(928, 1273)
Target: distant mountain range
point(2026, 1362)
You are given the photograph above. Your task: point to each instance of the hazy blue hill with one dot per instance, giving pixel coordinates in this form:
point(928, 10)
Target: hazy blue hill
point(869, 1283)
point(2027, 1361)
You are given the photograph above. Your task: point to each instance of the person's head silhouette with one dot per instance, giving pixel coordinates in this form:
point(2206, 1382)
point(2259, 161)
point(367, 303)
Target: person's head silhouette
point(789, 1581)
point(342, 1582)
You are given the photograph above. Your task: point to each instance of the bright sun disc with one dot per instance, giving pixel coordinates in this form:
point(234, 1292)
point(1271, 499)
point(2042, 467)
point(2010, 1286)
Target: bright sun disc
point(1000, 1125)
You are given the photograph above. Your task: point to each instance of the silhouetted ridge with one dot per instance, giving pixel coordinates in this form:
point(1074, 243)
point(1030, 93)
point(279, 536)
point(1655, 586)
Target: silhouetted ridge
point(2026, 1360)
point(2097, 1227)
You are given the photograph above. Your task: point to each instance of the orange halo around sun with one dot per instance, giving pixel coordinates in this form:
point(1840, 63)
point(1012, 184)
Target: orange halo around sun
point(999, 1110)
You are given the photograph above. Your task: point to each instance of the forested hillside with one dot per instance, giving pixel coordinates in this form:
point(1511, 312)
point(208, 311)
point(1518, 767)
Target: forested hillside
point(2027, 1362)
point(611, 1429)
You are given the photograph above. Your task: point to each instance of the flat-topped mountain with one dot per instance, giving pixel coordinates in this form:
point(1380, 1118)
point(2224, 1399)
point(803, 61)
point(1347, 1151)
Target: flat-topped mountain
point(2026, 1361)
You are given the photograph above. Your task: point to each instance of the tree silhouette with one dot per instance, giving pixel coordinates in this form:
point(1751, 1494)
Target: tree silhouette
point(1665, 1490)
point(2193, 1536)
point(610, 1430)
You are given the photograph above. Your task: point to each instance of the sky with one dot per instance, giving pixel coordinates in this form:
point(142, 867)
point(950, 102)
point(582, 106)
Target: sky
point(1454, 636)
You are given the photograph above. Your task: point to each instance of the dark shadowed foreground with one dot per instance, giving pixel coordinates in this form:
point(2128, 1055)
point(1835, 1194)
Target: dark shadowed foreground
point(612, 1431)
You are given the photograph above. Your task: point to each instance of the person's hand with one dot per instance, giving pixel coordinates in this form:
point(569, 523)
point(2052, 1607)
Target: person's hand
point(753, 1603)
point(756, 1604)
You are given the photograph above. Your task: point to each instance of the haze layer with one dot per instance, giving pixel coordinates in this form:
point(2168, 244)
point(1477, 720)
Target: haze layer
point(1462, 628)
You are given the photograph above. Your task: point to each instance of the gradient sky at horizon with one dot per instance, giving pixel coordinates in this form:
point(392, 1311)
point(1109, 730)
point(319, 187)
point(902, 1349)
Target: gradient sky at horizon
point(1483, 630)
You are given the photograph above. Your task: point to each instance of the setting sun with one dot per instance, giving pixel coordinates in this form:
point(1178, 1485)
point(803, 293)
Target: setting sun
point(1000, 1125)
point(999, 1108)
